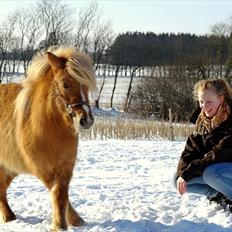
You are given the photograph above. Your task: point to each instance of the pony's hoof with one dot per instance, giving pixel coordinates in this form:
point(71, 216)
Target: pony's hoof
point(8, 217)
point(80, 221)
point(77, 221)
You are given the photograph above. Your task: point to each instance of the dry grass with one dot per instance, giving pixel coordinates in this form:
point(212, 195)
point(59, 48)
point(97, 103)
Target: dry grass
point(129, 128)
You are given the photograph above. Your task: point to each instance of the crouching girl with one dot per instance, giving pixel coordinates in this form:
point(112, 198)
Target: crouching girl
point(205, 166)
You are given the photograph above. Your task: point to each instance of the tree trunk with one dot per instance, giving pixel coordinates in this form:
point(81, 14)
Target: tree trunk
point(126, 106)
point(101, 88)
point(114, 87)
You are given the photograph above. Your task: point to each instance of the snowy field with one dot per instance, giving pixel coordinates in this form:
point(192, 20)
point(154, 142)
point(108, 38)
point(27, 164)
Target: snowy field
point(120, 90)
point(120, 186)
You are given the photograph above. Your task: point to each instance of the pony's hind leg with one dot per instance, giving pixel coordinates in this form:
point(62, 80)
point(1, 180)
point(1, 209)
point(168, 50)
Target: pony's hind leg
point(6, 213)
point(73, 218)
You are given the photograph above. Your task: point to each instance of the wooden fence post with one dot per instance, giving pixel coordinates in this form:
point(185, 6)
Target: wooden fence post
point(170, 123)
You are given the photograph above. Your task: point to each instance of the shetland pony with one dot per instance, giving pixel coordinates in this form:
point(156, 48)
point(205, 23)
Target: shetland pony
point(39, 123)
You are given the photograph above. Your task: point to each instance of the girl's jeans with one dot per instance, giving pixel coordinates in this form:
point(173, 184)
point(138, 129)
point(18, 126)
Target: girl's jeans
point(216, 178)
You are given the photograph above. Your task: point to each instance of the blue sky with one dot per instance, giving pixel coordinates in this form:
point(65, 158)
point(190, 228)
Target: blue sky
point(192, 16)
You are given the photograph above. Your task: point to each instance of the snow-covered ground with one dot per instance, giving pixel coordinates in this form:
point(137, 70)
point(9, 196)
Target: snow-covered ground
point(120, 186)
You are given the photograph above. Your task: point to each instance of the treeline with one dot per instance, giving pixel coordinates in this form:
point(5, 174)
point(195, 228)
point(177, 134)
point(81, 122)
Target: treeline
point(150, 49)
point(141, 49)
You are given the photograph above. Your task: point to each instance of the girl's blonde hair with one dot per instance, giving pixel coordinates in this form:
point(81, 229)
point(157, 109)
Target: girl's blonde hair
point(220, 86)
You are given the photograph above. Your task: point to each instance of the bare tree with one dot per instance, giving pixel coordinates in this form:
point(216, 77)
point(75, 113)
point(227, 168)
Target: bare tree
point(92, 33)
point(223, 28)
point(101, 87)
point(87, 17)
point(102, 40)
point(6, 40)
point(55, 16)
point(114, 86)
point(128, 95)
point(15, 60)
point(219, 29)
point(28, 30)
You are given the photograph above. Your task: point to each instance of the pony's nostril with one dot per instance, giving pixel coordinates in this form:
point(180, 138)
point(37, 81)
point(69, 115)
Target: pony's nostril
point(83, 121)
point(86, 123)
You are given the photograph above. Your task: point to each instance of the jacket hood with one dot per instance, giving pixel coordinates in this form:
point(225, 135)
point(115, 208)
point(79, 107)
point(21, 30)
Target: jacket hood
point(194, 115)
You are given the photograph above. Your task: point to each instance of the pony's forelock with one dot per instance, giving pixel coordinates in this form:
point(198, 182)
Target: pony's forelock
point(80, 69)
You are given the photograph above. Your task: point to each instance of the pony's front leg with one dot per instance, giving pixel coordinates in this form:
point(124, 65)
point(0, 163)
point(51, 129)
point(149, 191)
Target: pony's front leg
point(59, 192)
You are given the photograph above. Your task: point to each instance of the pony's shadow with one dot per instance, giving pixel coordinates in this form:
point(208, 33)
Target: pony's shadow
point(30, 220)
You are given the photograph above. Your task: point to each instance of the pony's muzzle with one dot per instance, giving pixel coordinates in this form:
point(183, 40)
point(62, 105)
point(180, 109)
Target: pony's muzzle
point(86, 123)
point(87, 119)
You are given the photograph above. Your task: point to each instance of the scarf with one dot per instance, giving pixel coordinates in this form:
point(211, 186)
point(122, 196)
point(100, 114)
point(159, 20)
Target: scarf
point(206, 125)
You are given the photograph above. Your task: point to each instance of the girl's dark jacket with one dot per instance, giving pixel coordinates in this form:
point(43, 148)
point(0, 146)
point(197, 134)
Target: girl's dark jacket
point(203, 150)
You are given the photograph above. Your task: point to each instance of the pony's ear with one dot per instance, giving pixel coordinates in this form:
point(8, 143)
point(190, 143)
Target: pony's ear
point(55, 62)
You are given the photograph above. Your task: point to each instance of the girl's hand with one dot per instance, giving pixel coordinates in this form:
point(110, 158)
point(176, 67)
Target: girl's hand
point(181, 185)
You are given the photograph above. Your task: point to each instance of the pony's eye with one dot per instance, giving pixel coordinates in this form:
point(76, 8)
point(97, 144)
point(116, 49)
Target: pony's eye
point(66, 85)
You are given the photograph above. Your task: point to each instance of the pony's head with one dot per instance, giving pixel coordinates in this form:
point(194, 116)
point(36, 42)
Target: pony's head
point(74, 78)
point(70, 77)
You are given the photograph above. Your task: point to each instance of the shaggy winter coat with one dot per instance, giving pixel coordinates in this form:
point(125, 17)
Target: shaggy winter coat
point(202, 150)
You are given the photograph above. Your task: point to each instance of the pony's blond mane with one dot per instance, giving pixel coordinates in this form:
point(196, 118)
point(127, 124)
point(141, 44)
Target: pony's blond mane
point(78, 65)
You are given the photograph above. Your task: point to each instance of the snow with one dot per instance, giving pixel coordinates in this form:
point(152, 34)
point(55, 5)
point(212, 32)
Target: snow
point(120, 186)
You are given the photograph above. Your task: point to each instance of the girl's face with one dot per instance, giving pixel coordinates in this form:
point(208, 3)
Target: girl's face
point(209, 102)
